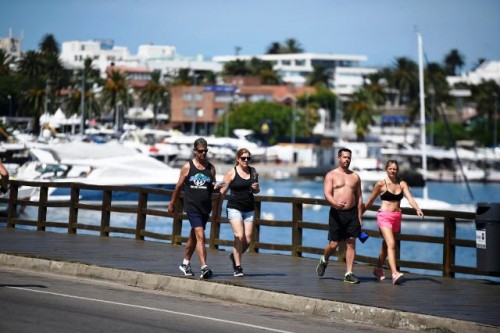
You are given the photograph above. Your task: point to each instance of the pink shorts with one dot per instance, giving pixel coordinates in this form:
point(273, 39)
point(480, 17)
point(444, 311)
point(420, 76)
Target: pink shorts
point(389, 220)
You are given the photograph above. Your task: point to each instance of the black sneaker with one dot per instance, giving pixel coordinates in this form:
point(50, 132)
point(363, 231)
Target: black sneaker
point(231, 256)
point(350, 278)
point(238, 271)
point(186, 269)
point(320, 269)
point(206, 273)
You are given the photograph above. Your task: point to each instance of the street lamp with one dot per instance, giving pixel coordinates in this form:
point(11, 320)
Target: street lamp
point(167, 113)
point(294, 105)
point(495, 121)
point(432, 92)
point(47, 88)
point(9, 97)
point(82, 116)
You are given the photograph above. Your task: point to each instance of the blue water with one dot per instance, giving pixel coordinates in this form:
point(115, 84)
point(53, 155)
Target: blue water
point(455, 193)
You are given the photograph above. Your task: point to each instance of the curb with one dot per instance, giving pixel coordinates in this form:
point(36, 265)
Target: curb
point(348, 312)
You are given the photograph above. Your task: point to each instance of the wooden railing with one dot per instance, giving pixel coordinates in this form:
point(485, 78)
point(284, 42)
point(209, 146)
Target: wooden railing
point(142, 209)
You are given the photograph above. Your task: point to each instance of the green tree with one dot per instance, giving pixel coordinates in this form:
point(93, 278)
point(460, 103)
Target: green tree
point(183, 78)
point(251, 115)
point(154, 93)
point(319, 75)
point(114, 91)
point(49, 45)
point(361, 110)
point(31, 65)
point(405, 79)
point(274, 48)
point(453, 60)
point(5, 62)
point(236, 67)
point(292, 46)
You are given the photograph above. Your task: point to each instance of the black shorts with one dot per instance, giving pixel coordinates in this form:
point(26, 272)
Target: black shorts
point(343, 224)
point(197, 220)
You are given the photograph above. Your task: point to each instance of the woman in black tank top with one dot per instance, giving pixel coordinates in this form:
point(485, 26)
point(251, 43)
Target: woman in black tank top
point(243, 182)
point(391, 191)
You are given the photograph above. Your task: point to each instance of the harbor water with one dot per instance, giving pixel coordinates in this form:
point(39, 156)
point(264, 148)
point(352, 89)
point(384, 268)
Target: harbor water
point(454, 193)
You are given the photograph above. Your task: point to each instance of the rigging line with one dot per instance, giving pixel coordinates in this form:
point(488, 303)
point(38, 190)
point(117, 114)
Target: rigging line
point(452, 140)
point(459, 161)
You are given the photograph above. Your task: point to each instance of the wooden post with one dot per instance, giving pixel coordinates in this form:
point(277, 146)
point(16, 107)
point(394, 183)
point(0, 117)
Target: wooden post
point(214, 228)
point(177, 222)
point(398, 250)
point(105, 212)
point(256, 228)
point(42, 208)
point(297, 216)
point(450, 230)
point(141, 216)
point(73, 209)
point(11, 213)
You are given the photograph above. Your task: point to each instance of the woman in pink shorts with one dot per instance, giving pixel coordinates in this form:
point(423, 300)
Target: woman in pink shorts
point(391, 191)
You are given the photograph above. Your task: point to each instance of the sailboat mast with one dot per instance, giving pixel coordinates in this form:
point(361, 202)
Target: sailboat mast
point(423, 143)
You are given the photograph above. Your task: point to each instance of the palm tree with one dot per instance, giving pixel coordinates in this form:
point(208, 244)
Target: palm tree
point(85, 77)
point(49, 45)
point(153, 93)
point(453, 61)
point(31, 65)
point(274, 48)
point(5, 62)
point(361, 110)
point(236, 68)
point(292, 46)
point(183, 77)
point(35, 98)
point(405, 79)
point(319, 75)
point(114, 91)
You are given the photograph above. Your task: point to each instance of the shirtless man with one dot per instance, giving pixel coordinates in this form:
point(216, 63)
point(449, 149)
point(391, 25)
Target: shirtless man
point(342, 190)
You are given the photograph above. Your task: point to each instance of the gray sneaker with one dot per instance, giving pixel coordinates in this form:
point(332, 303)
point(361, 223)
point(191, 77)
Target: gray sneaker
point(350, 278)
point(186, 269)
point(320, 269)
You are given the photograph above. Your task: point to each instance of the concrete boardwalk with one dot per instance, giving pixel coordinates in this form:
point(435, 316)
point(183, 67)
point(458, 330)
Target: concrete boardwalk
point(420, 303)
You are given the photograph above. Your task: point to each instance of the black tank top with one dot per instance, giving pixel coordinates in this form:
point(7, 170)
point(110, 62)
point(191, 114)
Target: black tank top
point(198, 188)
point(389, 196)
point(241, 197)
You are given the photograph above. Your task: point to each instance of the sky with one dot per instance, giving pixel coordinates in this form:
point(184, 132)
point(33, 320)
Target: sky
point(382, 30)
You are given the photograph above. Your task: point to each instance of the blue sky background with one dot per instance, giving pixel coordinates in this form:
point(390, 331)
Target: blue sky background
point(379, 29)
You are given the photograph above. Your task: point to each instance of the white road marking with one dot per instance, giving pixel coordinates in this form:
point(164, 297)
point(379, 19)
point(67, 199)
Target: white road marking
point(150, 308)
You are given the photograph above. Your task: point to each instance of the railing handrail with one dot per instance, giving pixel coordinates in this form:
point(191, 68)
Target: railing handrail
point(448, 241)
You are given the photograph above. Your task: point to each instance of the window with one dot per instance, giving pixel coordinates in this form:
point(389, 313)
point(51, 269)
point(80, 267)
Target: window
point(188, 112)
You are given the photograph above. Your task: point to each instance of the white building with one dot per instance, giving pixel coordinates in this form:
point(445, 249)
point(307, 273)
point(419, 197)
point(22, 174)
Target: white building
point(154, 57)
point(488, 70)
point(345, 70)
point(11, 46)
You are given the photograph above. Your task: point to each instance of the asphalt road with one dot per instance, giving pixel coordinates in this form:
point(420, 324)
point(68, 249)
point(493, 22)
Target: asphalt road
point(41, 302)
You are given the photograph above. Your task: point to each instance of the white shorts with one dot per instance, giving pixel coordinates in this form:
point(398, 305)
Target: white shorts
point(236, 214)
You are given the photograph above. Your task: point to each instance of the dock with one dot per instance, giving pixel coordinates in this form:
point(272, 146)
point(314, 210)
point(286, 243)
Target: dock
point(421, 303)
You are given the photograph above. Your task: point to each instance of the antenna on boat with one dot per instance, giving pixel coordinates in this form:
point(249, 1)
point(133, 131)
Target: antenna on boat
point(423, 142)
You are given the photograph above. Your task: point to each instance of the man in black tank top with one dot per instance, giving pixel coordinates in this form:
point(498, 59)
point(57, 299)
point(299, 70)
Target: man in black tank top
point(196, 180)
